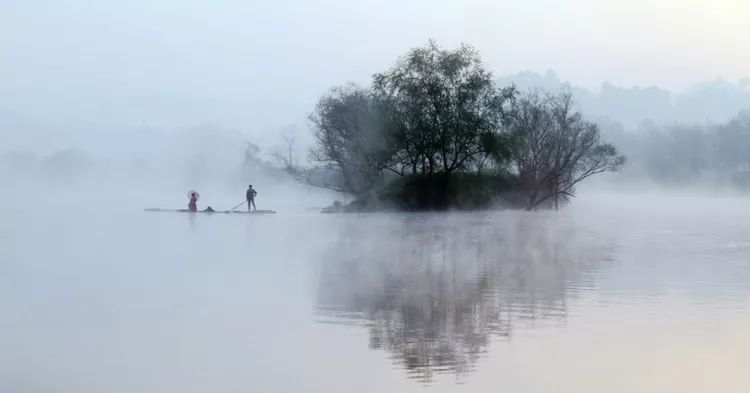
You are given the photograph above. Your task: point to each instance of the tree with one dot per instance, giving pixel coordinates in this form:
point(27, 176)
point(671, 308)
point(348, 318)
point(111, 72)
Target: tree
point(437, 117)
point(251, 156)
point(352, 137)
point(554, 148)
point(443, 104)
point(734, 144)
point(285, 154)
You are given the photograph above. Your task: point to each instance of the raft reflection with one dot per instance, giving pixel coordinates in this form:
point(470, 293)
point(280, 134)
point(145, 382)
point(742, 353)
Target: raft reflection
point(435, 290)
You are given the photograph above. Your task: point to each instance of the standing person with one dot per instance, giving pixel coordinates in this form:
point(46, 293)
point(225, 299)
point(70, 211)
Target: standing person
point(250, 195)
point(193, 205)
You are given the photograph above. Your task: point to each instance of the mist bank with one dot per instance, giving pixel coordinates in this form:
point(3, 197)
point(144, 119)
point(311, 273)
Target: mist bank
point(217, 163)
point(684, 156)
point(707, 102)
point(124, 122)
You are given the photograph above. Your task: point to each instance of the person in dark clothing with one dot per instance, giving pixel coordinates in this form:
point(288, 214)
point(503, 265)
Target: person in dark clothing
point(250, 195)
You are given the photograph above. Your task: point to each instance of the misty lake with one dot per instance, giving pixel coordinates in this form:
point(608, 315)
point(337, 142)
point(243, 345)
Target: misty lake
point(612, 294)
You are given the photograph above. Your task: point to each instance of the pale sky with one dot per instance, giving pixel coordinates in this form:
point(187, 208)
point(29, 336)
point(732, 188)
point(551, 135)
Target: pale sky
point(173, 62)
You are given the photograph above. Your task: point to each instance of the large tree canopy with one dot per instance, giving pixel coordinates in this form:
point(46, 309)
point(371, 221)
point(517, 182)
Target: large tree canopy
point(442, 103)
point(352, 137)
point(554, 148)
point(437, 116)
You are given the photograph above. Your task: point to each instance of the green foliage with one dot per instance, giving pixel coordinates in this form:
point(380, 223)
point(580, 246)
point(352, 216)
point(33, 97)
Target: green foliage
point(443, 105)
point(438, 122)
point(464, 191)
point(554, 148)
point(352, 136)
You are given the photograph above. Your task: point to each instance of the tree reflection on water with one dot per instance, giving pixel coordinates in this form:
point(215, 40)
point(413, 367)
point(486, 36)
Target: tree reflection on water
point(435, 290)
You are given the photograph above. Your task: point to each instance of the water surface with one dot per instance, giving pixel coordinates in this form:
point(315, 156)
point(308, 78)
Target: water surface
point(615, 294)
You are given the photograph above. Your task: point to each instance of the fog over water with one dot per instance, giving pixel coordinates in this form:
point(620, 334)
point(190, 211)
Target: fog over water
point(616, 293)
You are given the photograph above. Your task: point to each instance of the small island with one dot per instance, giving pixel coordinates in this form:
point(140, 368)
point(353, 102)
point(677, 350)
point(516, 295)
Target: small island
point(435, 133)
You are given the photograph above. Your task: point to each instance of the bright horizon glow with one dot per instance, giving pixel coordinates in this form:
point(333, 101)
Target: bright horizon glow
point(672, 44)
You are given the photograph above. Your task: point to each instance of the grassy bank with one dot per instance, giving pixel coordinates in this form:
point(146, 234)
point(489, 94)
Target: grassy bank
point(438, 192)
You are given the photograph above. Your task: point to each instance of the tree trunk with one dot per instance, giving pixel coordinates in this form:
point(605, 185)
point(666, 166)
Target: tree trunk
point(557, 196)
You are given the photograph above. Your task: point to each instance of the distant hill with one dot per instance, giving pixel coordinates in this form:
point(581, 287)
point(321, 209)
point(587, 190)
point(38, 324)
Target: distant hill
point(708, 102)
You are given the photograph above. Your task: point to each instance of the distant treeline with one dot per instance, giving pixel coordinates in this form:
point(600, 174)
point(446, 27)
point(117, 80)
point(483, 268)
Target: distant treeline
point(435, 131)
point(63, 165)
point(685, 155)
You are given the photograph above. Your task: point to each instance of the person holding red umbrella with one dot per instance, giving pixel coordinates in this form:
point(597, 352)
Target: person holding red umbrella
point(193, 204)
